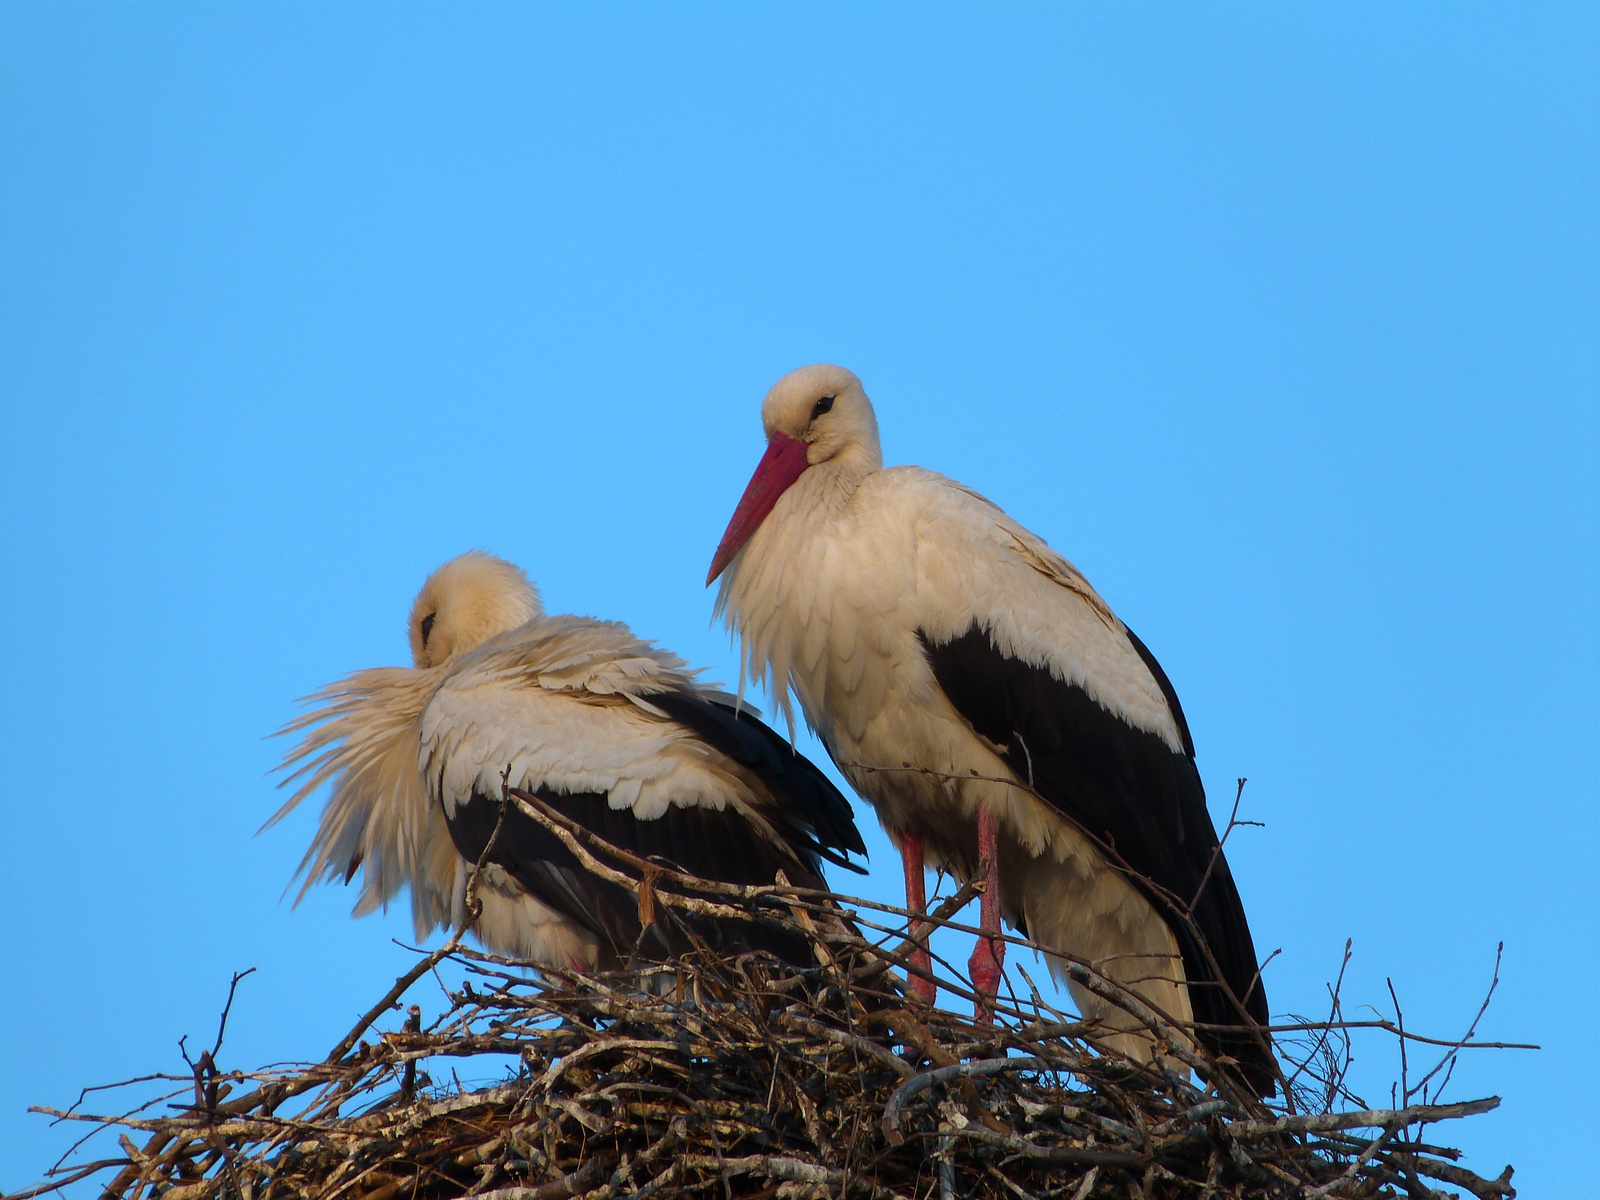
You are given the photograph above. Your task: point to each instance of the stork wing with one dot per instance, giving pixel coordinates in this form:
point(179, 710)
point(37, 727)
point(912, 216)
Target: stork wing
point(648, 764)
point(817, 817)
point(1038, 665)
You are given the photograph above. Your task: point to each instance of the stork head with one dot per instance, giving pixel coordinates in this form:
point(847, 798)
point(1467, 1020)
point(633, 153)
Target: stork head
point(814, 416)
point(465, 603)
point(824, 407)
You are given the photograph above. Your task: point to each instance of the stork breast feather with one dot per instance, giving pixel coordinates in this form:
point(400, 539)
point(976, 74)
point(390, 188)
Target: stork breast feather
point(816, 633)
point(848, 665)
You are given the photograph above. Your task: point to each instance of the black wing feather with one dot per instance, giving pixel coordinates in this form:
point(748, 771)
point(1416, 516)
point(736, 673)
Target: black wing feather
point(718, 845)
point(1125, 787)
point(819, 819)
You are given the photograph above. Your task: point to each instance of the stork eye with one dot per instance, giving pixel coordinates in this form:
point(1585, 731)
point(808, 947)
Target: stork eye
point(821, 406)
point(427, 626)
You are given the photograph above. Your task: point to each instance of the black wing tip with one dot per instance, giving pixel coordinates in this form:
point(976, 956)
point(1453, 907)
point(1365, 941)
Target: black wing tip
point(1253, 1067)
point(737, 732)
point(839, 860)
point(1243, 1043)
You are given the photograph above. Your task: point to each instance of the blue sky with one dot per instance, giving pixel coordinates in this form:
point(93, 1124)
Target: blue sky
point(1280, 322)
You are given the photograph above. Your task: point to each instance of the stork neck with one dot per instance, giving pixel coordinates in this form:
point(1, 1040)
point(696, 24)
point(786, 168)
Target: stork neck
point(832, 484)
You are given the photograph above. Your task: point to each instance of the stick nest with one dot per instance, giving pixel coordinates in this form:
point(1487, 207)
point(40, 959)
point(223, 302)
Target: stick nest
point(749, 1078)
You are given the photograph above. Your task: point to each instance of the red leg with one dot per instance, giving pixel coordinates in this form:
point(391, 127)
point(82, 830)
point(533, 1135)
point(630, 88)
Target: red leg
point(923, 989)
point(989, 956)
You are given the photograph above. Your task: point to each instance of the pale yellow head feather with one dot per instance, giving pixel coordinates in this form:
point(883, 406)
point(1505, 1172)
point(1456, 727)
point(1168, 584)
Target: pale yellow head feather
point(465, 603)
point(847, 432)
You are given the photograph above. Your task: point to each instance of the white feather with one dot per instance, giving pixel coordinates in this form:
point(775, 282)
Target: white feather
point(551, 700)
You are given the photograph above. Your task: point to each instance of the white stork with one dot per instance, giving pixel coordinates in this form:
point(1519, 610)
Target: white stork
point(1000, 718)
point(607, 729)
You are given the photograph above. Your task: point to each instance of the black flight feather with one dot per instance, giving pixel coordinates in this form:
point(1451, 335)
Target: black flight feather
point(717, 845)
point(817, 818)
point(1126, 788)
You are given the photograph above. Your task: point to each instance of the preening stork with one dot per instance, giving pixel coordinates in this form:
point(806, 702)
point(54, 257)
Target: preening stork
point(1000, 718)
point(606, 729)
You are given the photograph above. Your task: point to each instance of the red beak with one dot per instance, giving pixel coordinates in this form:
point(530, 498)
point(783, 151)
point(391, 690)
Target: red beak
point(783, 463)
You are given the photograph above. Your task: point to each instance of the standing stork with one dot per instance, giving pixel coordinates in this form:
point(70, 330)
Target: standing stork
point(607, 730)
point(1000, 718)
